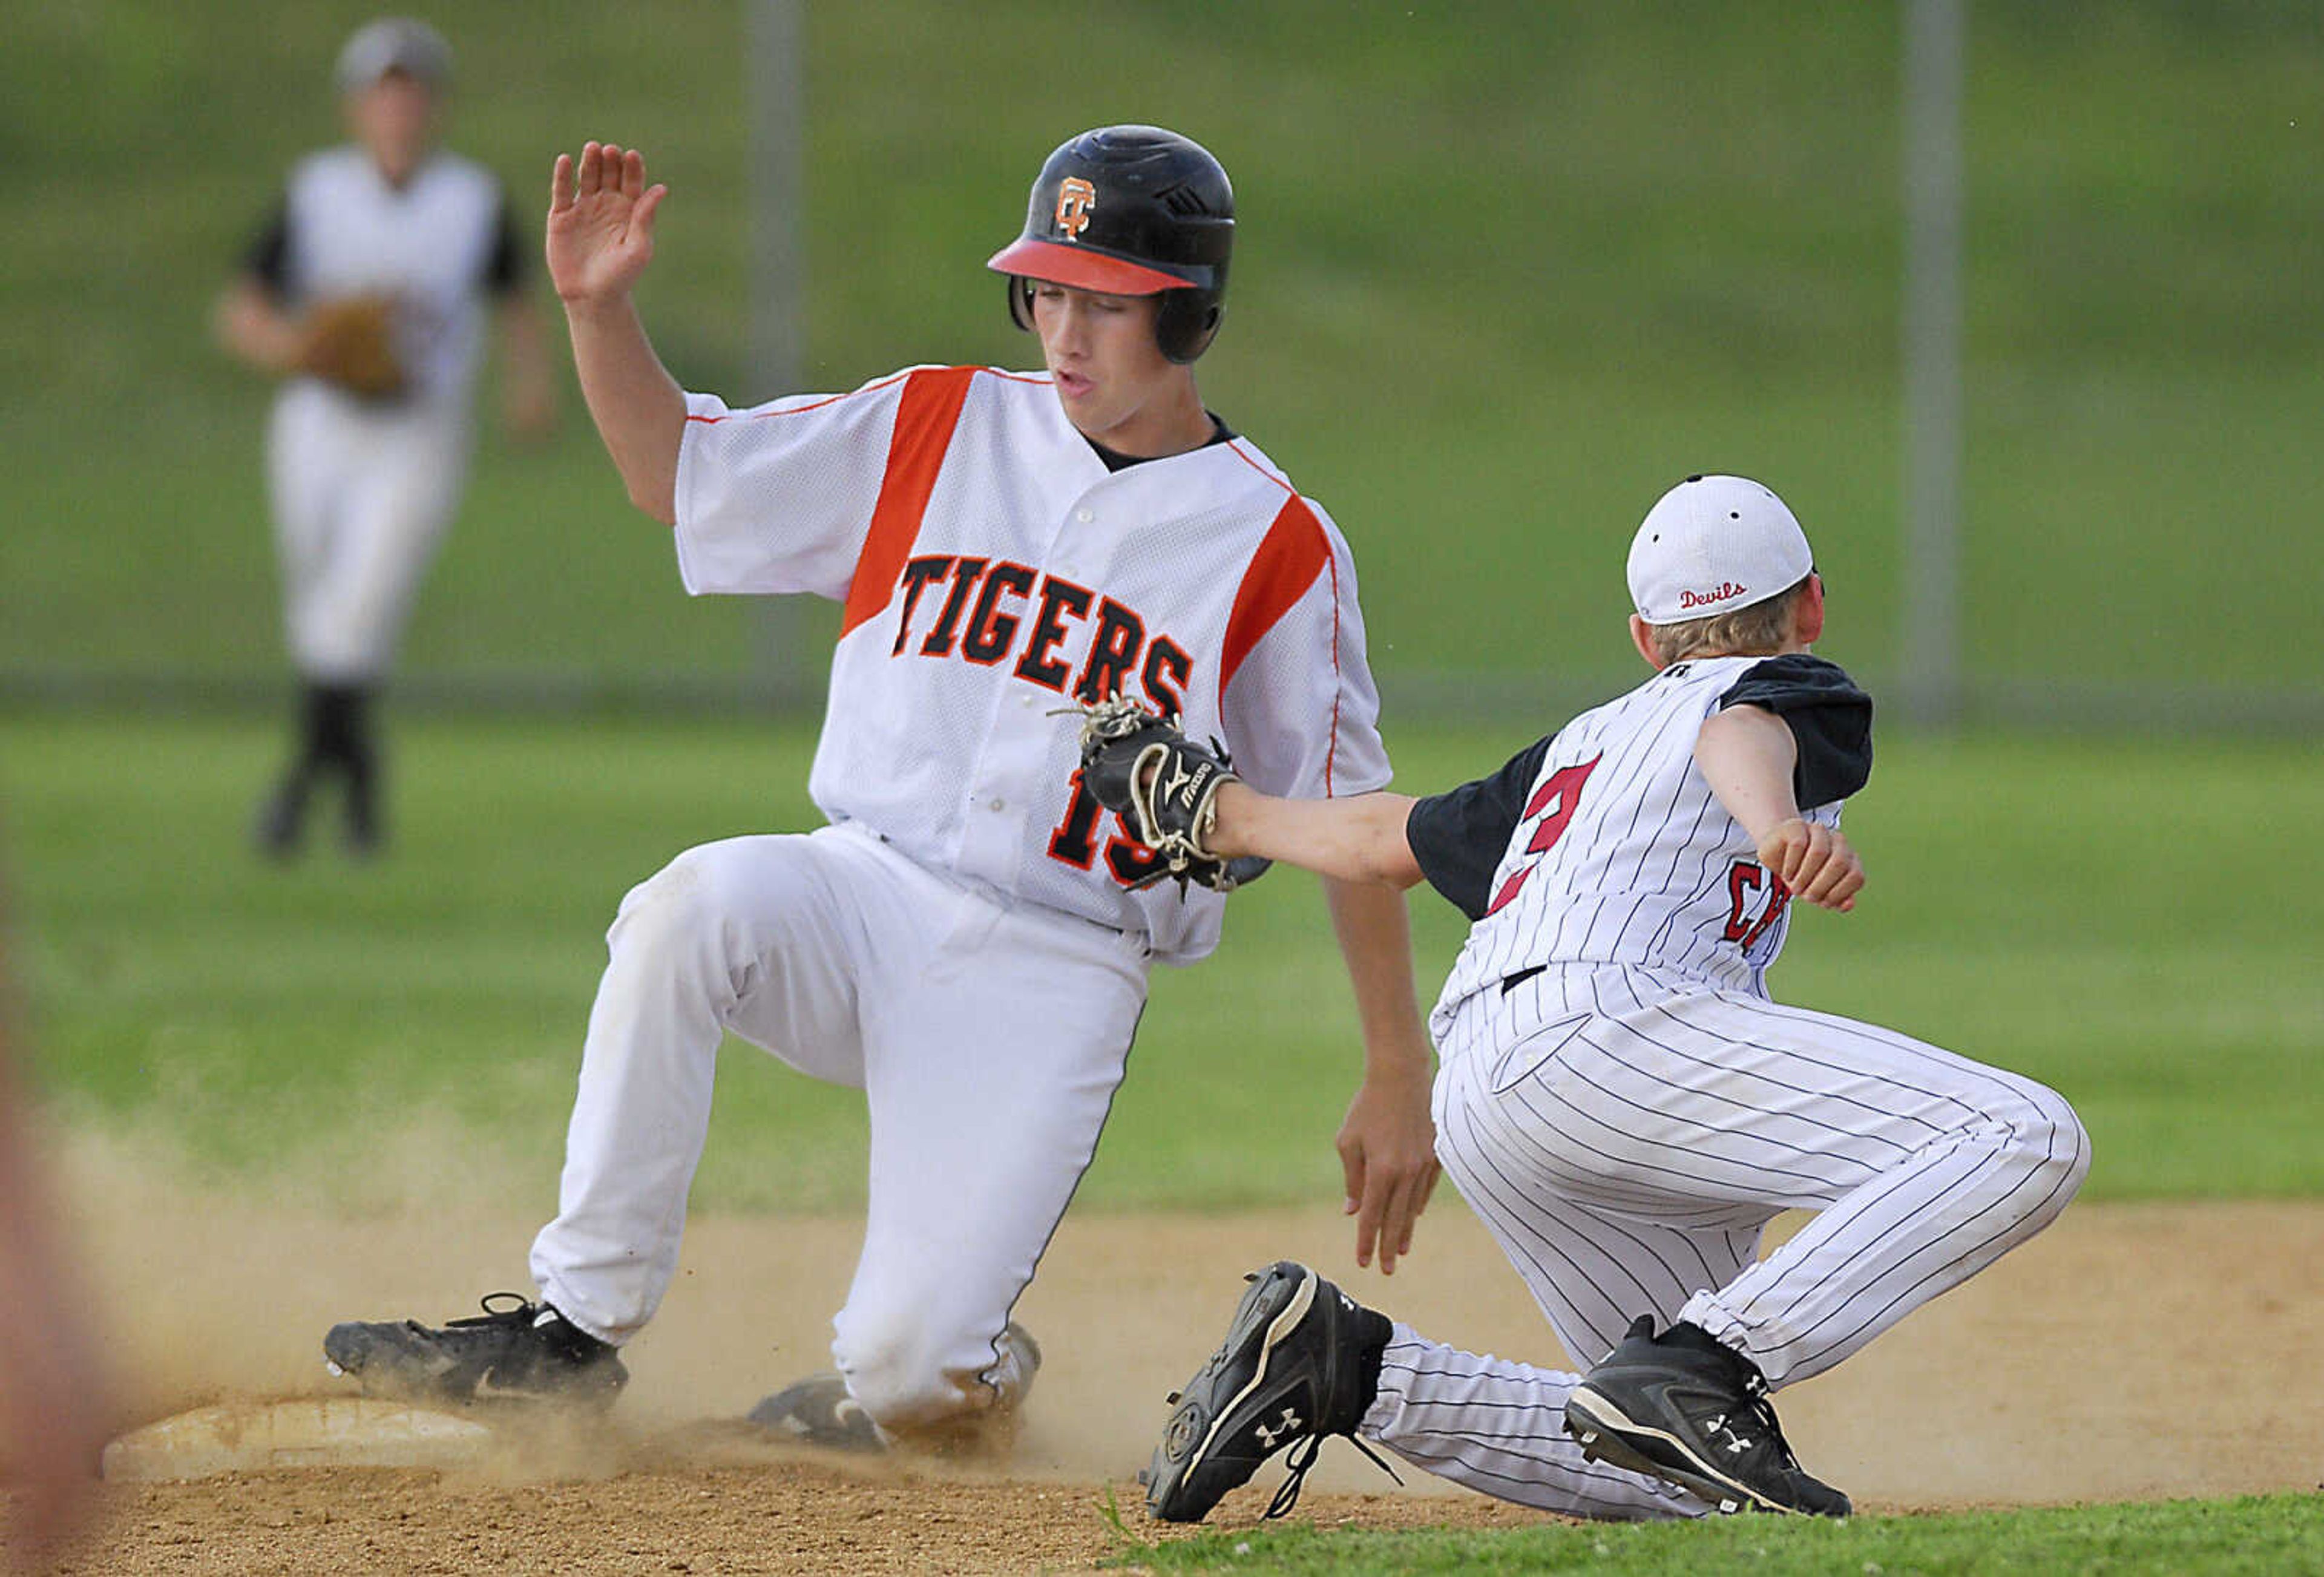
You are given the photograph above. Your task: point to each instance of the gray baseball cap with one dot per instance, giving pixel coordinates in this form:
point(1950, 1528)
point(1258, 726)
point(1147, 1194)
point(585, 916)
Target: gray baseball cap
point(394, 44)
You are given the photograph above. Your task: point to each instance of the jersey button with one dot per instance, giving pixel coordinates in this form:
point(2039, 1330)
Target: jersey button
point(999, 804)
point(1085, 514)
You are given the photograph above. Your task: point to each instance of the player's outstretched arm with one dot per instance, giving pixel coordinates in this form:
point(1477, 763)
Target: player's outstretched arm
point(601, 219)
point(1746, 754)
point(1388, 1142)
point(1357, 839)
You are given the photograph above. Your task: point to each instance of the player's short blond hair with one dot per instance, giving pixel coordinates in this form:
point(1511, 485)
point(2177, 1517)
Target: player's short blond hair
point(1758, 631)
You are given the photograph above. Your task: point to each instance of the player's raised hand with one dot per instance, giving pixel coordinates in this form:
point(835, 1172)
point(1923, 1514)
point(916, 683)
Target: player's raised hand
point(601, 219)
point(1815, 861)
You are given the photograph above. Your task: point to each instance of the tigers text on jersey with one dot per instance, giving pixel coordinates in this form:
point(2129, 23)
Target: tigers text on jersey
point(1612, 849)
point(440, 244)
point(993, 571)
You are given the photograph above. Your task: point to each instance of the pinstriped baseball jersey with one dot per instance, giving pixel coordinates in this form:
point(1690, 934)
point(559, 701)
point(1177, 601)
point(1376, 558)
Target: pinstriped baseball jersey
point(1625, 1111)
point(991, 569)
point(1618, 853)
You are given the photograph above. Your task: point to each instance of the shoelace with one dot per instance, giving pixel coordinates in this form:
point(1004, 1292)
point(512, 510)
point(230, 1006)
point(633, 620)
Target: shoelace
point(521, 1309)
point(1288, 1496)
point(1762, 1414)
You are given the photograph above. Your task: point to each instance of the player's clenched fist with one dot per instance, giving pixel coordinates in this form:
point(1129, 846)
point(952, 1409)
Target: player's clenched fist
point(601, 218)
point(1815, 861)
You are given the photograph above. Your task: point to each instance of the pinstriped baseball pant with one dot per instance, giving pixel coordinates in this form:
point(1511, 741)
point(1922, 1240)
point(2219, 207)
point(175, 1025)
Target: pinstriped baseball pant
point(1627, 1155)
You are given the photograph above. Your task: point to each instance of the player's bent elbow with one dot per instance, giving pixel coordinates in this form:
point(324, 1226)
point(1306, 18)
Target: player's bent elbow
point(1394, 866)
point(656, 496)
point(1370, 843)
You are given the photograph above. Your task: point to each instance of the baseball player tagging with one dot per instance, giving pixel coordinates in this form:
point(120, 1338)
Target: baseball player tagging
point(968, 941)
point(1619, 1098)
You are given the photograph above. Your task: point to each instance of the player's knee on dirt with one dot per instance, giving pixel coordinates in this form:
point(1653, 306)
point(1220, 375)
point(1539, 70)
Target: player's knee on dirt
point(912, 1373)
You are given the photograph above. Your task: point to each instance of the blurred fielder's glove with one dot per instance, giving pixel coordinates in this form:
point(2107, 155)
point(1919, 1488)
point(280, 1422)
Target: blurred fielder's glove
point(1165, 787)
point(350, 341)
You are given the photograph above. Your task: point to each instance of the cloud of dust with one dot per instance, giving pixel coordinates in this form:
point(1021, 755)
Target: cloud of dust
point(213, 1286)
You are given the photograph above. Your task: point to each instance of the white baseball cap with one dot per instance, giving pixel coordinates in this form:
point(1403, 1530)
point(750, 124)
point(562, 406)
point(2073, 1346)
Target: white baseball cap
point(394, 44)
point(1711, 545)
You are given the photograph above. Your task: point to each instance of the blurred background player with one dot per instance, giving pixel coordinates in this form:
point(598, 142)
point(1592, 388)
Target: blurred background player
point(969, 940)
point(1620, 1102)
point(367, 292)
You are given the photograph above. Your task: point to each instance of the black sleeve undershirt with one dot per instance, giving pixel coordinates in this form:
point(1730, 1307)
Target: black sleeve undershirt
point(1459, 835)
point(506, 267)
point(268, 259)
point(506, 270)
point(1829, 716)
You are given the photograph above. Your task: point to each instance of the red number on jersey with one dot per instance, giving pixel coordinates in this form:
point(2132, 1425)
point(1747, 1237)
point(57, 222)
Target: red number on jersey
point(1744, 879)
point(1558, 795)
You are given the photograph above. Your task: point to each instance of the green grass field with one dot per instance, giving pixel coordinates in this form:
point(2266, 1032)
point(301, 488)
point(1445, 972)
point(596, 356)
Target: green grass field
point(1507, 269)
point(2254, 1535)
point(2116, 919)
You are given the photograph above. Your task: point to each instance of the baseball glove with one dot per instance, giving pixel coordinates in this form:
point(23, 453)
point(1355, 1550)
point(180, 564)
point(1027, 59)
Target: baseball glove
point(350, 341)
point(1165, 787)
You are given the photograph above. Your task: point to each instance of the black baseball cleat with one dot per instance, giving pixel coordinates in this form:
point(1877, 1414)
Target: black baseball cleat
point(1685, 1408)
point(820, 1411)
point(1301, 1362)
point(518, 1352)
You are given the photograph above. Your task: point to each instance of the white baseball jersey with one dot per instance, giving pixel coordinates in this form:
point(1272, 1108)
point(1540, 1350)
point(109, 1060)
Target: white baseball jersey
point(440, 244)
point(993, 570)
point(961, 942)
point(1625, 1111)
point(364, 489)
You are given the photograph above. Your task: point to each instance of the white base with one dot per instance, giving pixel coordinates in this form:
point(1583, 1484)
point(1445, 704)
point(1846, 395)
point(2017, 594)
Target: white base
point(311, 1431)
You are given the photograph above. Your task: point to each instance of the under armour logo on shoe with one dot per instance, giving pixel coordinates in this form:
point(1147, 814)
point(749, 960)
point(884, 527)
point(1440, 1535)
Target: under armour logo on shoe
point(1736, 1444)
point(1268, 1437)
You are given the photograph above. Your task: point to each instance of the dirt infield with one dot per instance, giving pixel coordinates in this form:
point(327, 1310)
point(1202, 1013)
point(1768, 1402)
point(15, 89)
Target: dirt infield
point(2105, 1362)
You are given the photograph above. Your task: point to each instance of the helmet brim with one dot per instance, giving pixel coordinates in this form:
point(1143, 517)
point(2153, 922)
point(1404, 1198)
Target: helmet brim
point(1059, 263)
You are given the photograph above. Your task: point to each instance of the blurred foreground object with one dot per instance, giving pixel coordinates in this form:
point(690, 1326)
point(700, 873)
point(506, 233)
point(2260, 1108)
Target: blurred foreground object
point(51, 1399)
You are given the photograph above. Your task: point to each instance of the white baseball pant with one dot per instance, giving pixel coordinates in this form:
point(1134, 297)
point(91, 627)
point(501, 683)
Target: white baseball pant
point(363, 493)
point(988, 1037)
point(1627, 1155)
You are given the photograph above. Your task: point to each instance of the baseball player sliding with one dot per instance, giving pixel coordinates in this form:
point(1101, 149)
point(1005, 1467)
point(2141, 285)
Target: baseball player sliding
point(368, 292)
point(1619, 1098)
point(968, 941)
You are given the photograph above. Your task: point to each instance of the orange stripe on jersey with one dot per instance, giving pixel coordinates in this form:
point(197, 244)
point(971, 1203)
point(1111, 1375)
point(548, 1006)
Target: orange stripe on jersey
point(1294, 552)
point(925, 420)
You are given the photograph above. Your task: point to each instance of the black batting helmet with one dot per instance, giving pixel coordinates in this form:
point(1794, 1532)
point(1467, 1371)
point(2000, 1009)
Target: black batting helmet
point(1129, 211)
